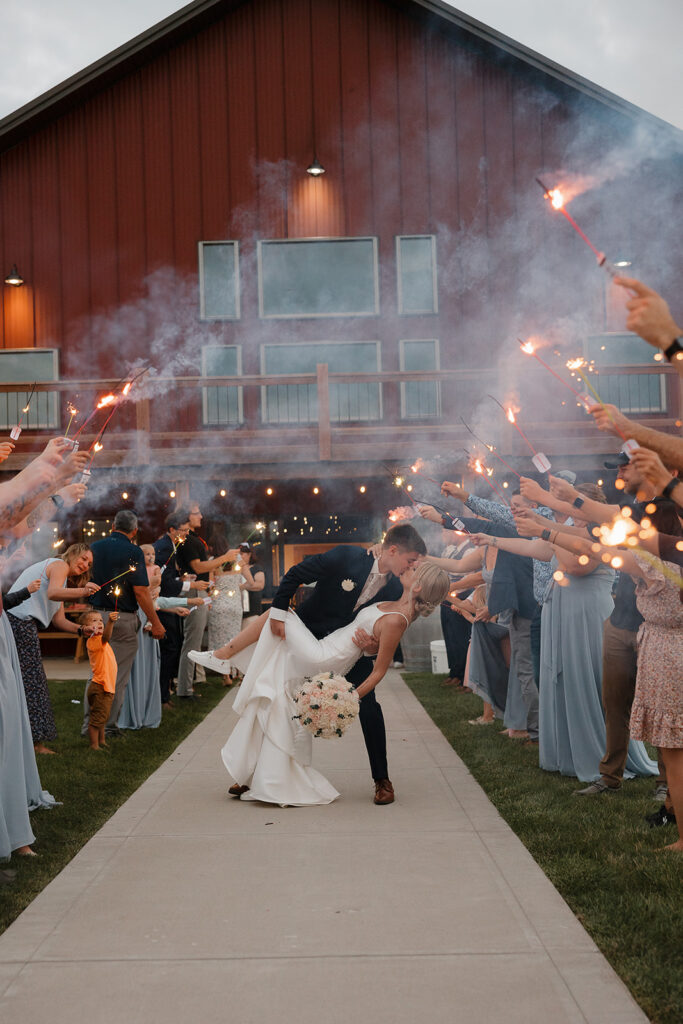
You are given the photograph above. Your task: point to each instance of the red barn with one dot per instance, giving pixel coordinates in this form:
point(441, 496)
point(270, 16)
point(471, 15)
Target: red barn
point(321, 331)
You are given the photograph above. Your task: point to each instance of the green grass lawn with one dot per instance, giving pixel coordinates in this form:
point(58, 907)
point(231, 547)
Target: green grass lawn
point(597, 851)
point(91, 785)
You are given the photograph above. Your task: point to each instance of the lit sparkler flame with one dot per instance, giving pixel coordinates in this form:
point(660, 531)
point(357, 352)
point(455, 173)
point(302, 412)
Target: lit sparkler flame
point(556, 198)
point(576, 364)
point(528, 348)
point(477, 467)
point(97, 447)
point(401, 514)
point(127, 387)
point(398, 481)
point(107, 400)
point(58, 543)
point(615, 533)
point(510, 415)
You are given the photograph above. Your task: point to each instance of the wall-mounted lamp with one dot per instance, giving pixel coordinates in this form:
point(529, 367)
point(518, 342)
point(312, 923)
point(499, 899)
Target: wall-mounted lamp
point(14, 277)
point(315, 169)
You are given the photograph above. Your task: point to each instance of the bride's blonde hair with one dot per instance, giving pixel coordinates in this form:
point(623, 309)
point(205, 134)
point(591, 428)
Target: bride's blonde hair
point(433, 583)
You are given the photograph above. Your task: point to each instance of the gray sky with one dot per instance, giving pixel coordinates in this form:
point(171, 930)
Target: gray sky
point(632, 47)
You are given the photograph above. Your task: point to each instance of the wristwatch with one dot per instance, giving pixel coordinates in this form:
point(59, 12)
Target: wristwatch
point(58, 501)
point(673, 482)
point(674, 349)
point(577, 502)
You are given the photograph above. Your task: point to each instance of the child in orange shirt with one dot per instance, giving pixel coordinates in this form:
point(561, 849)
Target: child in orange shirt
point(100, 693)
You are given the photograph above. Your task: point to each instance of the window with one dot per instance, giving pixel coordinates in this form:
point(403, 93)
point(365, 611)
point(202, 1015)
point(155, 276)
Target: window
point(309, 277)
point(222, 406)
point(420, 399)
point(631, 392)
point(416, 272)
point(298, 403)
point(23, 365)
point(219, 285)
point(618, 350)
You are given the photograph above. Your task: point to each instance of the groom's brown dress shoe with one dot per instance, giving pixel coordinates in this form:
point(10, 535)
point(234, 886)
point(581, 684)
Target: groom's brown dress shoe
point(384, 792)
point(237, 790)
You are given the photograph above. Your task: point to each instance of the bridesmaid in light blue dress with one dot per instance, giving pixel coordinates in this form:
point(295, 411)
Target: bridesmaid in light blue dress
point(141, 708)
point(20, 788)
point(572, 721)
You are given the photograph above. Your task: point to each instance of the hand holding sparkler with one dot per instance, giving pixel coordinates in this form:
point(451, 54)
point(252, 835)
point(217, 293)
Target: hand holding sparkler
point(562, 489)
point(532, 491)
point(649, 464)
point(454, 490)
point(649, 314)
point(609, 419)
point(6, 449)
point(429, 512)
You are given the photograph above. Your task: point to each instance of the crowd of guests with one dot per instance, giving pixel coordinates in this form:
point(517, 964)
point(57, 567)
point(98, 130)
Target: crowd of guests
point(139, 607)
point(567, 611)
point(566, 615)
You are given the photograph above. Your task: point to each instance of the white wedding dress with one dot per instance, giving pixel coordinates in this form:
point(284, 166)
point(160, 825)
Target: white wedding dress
point(268, 750)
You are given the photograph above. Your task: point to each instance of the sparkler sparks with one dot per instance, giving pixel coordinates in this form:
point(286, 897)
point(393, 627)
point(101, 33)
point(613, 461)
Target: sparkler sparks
point(557, 201)
point(131, 568)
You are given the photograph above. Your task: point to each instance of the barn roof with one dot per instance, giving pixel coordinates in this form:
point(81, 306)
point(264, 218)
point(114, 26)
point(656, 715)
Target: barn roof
point(199, 14)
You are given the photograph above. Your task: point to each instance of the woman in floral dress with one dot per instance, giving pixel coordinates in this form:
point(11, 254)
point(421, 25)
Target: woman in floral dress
point(225, 612)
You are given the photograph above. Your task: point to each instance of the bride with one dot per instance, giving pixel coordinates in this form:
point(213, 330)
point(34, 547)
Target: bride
point(268, 752)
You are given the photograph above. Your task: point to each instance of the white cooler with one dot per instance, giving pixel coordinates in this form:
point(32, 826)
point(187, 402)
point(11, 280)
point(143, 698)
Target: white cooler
point(439, 656)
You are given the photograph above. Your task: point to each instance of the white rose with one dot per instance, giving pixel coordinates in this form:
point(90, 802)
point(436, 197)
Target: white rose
point(348, 585)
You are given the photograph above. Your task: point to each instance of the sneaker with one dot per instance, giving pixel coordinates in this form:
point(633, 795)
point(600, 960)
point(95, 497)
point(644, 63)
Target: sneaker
point(397, 664)
point(661, 817)
point(599, 786)
point(209, 660)
point(660, 792)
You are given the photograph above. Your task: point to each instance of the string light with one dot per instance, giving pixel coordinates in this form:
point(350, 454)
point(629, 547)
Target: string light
point(171, 494)
point(223, 492)
point(316, 490)
point(269, 491)
point(124, 495)
point(362, 488)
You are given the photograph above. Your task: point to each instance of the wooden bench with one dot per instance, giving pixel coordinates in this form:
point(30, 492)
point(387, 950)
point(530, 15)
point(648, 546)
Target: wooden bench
point(55, 634)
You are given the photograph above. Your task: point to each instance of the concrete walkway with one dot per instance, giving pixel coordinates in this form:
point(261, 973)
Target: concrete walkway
point(191, 906)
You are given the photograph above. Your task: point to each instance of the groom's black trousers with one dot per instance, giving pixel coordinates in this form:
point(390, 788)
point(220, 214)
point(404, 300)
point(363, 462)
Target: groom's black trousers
point(371, 720)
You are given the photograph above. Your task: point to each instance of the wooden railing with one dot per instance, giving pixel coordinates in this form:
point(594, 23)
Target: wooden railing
point(161, 422)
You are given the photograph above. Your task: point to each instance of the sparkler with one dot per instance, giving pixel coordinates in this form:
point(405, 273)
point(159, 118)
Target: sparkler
point(492, 449)
point(528, 348)
point(477, 466)
point(258, 528)
point(15, 432)
point(576, 366)
point(116, 591)
point(131, 568)
point(540, 461)
point(556, 200)
point(73, 411)
point(417, 468)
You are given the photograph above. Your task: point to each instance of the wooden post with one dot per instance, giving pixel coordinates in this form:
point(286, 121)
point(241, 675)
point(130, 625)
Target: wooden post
point(324, 435)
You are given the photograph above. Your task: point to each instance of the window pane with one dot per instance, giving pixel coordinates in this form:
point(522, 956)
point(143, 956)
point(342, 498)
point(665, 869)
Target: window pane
point(618, 350)
point(335, 277)
point(26, 365)
point(222, 405)
point(420, 399)
point(416, 275)
point(634, 392)
point(218, 280)
point(298, 403)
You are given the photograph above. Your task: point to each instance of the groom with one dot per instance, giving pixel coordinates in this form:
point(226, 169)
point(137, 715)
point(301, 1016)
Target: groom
point(347, 578)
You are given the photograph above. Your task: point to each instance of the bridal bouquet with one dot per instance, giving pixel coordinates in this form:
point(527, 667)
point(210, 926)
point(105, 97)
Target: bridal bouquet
point(328, 704)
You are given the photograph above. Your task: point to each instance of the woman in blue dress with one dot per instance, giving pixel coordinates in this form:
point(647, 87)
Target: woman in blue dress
point(571, 717)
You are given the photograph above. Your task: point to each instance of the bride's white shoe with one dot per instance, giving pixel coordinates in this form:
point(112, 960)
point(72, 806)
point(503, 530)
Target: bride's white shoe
point(209, 660)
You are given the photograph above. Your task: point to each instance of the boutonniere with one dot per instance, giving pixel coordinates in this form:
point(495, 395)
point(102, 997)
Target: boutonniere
point(348, 585)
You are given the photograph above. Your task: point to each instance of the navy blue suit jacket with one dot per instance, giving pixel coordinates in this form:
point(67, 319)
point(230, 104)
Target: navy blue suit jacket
point(331, 605)
point(171, 583)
